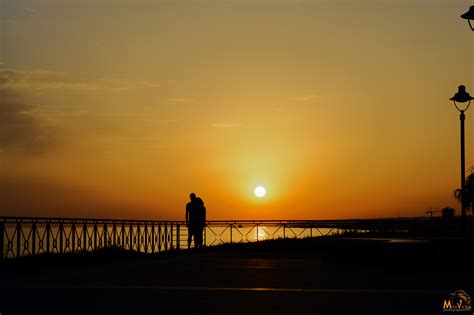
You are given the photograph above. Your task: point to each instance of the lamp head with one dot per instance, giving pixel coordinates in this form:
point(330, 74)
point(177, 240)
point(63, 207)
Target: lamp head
point(469, 15)
point(461, 96)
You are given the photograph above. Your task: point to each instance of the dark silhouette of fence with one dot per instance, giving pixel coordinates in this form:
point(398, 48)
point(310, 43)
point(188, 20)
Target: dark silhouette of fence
point(22, 236)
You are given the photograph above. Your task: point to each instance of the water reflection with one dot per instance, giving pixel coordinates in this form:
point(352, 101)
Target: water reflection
point(216, 235)
point(262, 234)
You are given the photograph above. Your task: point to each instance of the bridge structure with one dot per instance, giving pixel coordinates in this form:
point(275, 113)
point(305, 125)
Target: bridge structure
point(24, 236)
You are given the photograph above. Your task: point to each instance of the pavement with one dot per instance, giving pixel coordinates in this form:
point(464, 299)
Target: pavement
point(325, 276)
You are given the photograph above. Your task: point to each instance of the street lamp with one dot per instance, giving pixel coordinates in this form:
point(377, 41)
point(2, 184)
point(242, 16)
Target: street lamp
point(462, 97)
point(469, 15)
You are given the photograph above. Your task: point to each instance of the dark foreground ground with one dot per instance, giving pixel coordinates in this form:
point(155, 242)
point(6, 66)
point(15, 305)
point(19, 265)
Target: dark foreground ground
point(310, 276)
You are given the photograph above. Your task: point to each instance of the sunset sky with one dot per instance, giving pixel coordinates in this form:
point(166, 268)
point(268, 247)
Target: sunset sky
point(340, 109)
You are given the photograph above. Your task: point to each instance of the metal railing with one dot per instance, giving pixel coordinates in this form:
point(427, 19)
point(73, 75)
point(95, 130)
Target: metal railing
point(22, 236)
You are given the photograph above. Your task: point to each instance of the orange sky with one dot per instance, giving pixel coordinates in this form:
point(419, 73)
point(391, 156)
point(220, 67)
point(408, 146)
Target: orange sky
point(340, 109)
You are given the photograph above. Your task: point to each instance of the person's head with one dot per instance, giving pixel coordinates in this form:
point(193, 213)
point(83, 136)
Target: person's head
point(192, 196)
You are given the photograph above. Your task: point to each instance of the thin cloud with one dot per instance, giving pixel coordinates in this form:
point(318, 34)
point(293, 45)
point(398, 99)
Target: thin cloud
point(130, 83)
point(126, 115)
point(11, 21)
point(226, 125)
point(148, 83)
point(57, 113)
point(141, 117)
point(17, 79)
point(21, 129)
point(161, 121)
point(306, 97)
point(181, 100)
point(31, 10)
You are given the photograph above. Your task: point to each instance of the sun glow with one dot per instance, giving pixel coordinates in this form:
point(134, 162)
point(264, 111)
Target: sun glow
point(260, 191)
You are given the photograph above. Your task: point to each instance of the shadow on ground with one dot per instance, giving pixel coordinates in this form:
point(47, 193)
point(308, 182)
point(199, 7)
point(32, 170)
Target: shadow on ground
point(308, 276)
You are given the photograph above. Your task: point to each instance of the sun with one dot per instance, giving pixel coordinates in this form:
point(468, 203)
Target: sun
point(260, 191)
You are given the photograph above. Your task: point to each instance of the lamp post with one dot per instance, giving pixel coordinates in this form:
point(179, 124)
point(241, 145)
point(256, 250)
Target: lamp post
point(462, 97)
point(469, 15)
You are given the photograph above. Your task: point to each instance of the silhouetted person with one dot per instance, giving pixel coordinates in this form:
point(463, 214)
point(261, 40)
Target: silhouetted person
point(195, 220)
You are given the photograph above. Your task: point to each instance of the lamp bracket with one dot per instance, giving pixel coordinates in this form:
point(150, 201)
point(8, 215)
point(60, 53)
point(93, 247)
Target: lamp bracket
point(462, 111)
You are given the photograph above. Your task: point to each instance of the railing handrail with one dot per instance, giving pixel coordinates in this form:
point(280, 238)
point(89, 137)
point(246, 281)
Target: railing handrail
point(21, 236)
point(13, 219)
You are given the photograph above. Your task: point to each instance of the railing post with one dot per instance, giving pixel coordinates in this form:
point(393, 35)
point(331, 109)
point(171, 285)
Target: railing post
point(145, 234)
point(284, 230)
point(18, 239)
point(84, 242)
point(123, 236)
point(257, 231)
point(138, 237)
point(95, 235)
point(61, 237)
point(159, 237)
point(231, 232)
point(171, 236)
point(152, 238)
point(166, 236)
point(177, 237)
point(33, 239)
point(114, 230)
point(105, 236)
point(73, 241)
point(2, 239)
point(130, 234)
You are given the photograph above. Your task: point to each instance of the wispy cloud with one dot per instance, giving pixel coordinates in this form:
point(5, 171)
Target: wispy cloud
point(126, 115)
point(45, 112)
point(130, 83)
point(226, 125)
point(31, 10)
point(30, 129)
point(149, 83)
point(181, 100)
point(17, 79)
point(21, 129)
point(306, 97)
point(8, 21)
point(161, 121)
point(142, 117)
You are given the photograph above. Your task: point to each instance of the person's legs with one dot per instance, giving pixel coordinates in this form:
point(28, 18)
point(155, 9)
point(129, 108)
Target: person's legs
point(190, 236)
point(199, 236)
point(196, 238)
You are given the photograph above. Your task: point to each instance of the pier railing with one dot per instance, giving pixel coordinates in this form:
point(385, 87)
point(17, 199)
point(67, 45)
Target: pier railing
point(22, 236)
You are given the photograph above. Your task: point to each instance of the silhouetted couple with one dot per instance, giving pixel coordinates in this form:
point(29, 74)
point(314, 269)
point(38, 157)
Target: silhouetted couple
point(195, 220)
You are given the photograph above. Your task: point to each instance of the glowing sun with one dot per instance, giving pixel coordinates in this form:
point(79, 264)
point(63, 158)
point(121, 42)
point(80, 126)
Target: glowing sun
point(260, 191)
